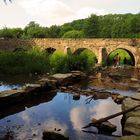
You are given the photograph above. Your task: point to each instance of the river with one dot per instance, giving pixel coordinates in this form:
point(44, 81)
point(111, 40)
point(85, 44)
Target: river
point(59, 111)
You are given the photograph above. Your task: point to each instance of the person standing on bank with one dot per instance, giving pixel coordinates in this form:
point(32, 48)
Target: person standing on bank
point(116, 59)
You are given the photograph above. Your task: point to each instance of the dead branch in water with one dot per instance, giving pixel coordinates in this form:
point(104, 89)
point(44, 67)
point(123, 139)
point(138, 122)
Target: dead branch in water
point(110, 117)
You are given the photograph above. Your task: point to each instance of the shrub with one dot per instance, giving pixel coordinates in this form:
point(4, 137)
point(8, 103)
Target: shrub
point(30, 61)
point(37, 61)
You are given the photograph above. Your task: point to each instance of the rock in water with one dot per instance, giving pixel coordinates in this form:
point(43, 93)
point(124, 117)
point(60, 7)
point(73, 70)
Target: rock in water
point(76, 96)
point(54, 136)
point(105, 127)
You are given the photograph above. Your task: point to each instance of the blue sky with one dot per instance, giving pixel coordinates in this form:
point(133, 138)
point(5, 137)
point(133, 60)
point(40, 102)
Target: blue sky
point(50, 12)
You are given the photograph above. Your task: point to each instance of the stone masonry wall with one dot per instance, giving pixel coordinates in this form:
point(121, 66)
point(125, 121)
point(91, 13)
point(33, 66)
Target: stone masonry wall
point(98, 46)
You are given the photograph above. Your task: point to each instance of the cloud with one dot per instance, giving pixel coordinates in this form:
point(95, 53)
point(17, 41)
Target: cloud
point(85, 12)
point(106, 108)
point(78, 117)
point(56, 12)
point(46, 8)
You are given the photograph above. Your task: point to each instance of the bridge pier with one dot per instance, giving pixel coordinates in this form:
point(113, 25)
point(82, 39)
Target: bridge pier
point(102, 56)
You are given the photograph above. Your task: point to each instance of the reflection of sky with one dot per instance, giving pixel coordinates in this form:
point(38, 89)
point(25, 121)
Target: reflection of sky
point(7, 87)
point(61, 113)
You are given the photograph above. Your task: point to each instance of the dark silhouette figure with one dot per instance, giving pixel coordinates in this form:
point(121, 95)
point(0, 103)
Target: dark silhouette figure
point(116, 59)
point(125, 61)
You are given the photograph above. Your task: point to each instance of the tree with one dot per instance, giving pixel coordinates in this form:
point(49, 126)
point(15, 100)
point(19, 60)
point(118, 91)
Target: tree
point(92, 26)
point(74, 34)
point(11, 33)
point(54, 31)
point(34, 30)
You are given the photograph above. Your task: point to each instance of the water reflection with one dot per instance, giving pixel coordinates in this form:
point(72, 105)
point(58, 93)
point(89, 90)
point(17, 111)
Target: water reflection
point(11, 82)
point(105, 108)
point(62, 113)
point(8, 87)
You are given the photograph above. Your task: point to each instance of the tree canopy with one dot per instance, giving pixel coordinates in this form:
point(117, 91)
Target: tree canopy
point(107, 26)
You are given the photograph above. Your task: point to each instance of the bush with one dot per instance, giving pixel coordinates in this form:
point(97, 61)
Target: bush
point(60, 62)
point(30, 61)
point(37, 61)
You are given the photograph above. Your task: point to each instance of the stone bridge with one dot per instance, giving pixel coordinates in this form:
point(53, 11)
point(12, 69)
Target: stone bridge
point(101, 47)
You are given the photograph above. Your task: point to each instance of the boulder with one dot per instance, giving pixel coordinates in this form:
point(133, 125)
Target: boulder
point(119, 99)
point(11, 93)
point(138, 90)
point(131, 120)
point(62, 79)
point(76, 96)
point(128, 103)
point(136, 96)
point(132, 126)
point(134, 79)
point(68, 78)
point(105, 127)
point(132, 137)
point(54, 136)
point(11, 96)
point(48, 83)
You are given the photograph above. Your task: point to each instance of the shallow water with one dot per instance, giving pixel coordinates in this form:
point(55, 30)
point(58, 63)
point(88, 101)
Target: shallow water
point(12, 82)
point(8, 87)
point(61, 113)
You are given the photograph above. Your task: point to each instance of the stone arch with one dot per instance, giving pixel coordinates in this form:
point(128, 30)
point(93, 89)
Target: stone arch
point(50, 50)
point(79, 50)
point(129, 51)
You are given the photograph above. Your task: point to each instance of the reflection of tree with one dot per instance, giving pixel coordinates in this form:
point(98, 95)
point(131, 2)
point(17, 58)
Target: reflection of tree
point(29, 102)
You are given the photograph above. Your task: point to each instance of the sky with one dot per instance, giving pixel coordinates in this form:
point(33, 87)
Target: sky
point(57, 12)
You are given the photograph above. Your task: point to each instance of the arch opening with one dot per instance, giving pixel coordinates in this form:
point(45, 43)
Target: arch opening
point(50, 50)
point(87, 53)
point(125, 57)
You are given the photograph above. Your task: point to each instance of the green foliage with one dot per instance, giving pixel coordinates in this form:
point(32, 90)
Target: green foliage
point(61, 62)
point(30, 61)
point(122, 54)
point(34, 30)
point(54, 31)
point(107, 26)
point(11, 33)
point(74, 34)
point(92, 26)
point(58, 62)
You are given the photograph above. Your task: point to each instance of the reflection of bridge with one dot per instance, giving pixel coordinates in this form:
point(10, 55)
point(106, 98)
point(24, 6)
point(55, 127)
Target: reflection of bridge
point(101, 47)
